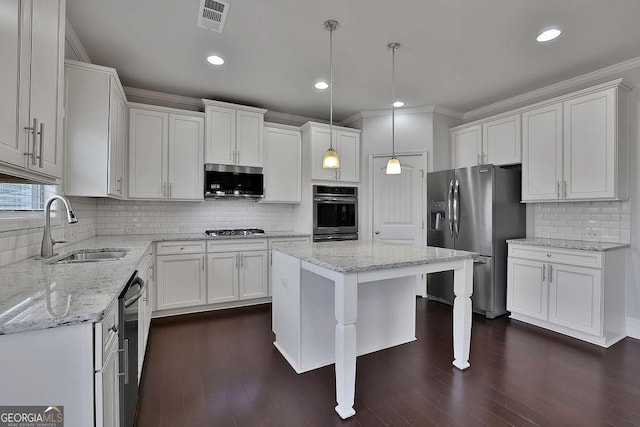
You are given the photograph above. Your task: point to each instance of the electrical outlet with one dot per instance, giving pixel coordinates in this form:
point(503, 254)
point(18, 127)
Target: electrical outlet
point(592, 233)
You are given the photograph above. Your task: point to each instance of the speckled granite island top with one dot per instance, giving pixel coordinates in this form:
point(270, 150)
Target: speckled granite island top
point(368, 255)
point(581, 245)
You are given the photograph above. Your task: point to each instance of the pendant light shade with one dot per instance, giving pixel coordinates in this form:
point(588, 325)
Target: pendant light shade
point(331, 160)
point(393, 165)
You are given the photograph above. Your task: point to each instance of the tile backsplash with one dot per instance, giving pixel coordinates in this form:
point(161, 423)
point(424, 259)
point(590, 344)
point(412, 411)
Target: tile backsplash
point(597, 221)
point(17, 245)
point(158, 217)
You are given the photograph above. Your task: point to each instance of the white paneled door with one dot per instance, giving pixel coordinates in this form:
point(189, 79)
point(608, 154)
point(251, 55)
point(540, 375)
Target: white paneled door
point(398, 201)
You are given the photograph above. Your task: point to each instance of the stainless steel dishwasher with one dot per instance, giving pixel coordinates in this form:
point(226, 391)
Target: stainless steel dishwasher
point(128, 344)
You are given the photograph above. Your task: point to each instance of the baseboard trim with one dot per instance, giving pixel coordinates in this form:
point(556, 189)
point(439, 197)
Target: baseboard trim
point(633, 328)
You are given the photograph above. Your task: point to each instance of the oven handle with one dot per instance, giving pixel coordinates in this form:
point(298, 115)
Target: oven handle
point(323, 238)
point(335, 199)
point(136, 281)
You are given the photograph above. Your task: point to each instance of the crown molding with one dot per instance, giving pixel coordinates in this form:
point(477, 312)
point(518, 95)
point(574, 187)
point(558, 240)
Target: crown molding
point(552, 90)
point(76, 45)
point(288, 119)
point(145, 96)
point(401, 111)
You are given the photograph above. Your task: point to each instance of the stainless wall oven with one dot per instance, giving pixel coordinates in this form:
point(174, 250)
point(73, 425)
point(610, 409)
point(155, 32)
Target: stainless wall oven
point(335, 213)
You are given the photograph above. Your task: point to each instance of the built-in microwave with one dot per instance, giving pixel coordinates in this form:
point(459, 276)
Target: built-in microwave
point(335, 213)
point(229, 181)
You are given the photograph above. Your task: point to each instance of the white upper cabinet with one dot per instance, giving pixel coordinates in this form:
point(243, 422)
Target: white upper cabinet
point(542, 153)
point(576, 148)
point(466, 146)
point(233, 134)
point(95, 129)
point(494, 141)
point(501, 141)
point(165, 153)
point(346, 142)
point(282, 164)
point(32, 52)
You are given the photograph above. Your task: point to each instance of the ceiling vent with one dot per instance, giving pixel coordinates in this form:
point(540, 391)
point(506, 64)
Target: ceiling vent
point(213, 14)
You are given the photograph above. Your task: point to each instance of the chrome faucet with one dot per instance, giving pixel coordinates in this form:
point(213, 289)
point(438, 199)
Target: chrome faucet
point(46, 249)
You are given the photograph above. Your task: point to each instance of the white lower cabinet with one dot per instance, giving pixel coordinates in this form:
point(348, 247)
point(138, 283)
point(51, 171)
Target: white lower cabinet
point(145, 272)
point(237, 270)
point(281, 240)
point(580, 293)
point(180, 275)
point(107, 378)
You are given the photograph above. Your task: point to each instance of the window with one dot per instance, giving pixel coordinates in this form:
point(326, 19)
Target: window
point(22, 197)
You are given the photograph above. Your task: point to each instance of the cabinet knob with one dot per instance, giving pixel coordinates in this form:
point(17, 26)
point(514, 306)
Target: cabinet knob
point(377, 231)
point(548, 255)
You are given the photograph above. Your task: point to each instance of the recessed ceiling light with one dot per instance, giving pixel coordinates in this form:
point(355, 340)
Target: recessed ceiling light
point(548, 35)
point(215, 60)
point(321, 85)
point(398, 104)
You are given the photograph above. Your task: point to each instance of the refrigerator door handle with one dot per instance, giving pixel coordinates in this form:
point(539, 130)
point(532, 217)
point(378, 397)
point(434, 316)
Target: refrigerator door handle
point(449, 215)
point(456, 207)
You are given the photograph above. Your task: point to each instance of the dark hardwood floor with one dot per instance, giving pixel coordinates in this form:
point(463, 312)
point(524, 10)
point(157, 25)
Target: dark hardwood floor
point(221, 369)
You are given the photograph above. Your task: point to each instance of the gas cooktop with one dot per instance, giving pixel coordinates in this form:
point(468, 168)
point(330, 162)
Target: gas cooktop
point(235, 232)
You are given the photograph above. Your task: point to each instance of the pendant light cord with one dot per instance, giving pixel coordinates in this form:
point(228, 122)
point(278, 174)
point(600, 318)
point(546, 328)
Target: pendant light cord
point(331, 28)
point(393, 101)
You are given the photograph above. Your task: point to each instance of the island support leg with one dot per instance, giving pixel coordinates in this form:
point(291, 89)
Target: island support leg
point(462, 288)
point(346, 305)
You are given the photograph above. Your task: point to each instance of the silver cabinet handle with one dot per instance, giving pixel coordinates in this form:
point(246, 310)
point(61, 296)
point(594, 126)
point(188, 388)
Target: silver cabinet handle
point(170, 188)
point(33, 129)
point(238, 156)
point(478, 158)
point(241, 260)
point(565, 189)
point(164, 191)
point(558, 189)
point(484, 158)
point(550, 273)
point(41, 133)
point(119, 186)
point(377, 232)
point(237, 261)
point(544, 272)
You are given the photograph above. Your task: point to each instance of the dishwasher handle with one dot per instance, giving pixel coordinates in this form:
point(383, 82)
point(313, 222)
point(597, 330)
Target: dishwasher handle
point(141, 283)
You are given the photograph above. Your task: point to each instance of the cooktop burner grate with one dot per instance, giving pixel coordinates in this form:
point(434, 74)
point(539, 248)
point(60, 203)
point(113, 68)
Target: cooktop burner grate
point(235, 232)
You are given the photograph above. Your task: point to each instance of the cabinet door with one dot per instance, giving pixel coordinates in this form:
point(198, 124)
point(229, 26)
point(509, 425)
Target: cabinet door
point(220, 135)
point(45, 102)
point(542, 153)
point(575, 298)
point(148, 141)
point(222, 277)
point(466, 147)
point(282, 165)
point(501, 141)
point(253, 275)
point(527, 288)
point(319, 145)
point(117, 111)
point(249, 138)
point(12, 136)
point(186, 162)
point(590, 146)
point(180, 281)
point(348, 147)
point(107, 385)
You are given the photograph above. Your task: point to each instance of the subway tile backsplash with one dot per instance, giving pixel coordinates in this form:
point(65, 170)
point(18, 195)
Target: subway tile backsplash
point(116, 217)
point(596, 221)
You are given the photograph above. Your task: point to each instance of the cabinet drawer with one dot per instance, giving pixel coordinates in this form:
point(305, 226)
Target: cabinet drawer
point(106, 334)
point(288, 240)
point(566, 256)
point(176, 248)
point(237, 245)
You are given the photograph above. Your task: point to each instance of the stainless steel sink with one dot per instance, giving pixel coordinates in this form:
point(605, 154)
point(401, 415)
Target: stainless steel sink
point(93, 255)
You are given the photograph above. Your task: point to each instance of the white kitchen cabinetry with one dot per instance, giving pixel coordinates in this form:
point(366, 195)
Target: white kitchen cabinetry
point(180, 275)
point(282, 164)
point(145, 272)
point(32, 52)
point(576, 147)
point(275, 240)
point(579, 293)
point(107, 378)
point(95, 129)
point(494, 141)
point(234, 134)
point(346, 142)
point(165, 153)
point(237, 270)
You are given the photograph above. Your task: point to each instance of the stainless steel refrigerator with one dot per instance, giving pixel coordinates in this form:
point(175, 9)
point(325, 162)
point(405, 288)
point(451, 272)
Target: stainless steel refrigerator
point(475, 209)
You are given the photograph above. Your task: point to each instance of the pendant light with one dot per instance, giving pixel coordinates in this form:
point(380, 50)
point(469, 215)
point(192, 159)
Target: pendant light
point(331, 160)
point(393, 165)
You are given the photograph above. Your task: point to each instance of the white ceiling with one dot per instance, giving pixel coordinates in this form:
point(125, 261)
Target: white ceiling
point(459, 54)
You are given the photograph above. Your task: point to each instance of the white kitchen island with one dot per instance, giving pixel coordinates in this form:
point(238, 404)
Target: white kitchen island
point(323, 293)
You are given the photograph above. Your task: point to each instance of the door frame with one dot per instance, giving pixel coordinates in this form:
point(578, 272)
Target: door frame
point(425, 165)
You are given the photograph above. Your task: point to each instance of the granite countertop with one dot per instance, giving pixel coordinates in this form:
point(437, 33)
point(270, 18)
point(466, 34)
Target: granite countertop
point(368, 255)
point(34, 293)
point(582, 245)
